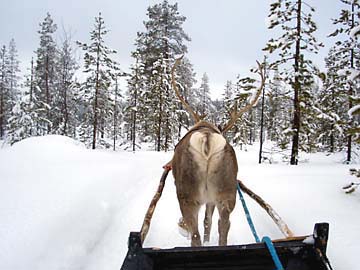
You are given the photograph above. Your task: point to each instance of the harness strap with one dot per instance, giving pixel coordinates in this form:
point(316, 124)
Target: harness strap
point(266, 239)
point(269, 244)
point(247, 213)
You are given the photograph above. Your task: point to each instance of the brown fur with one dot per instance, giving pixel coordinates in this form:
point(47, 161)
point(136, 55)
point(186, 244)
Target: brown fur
point(215, 186)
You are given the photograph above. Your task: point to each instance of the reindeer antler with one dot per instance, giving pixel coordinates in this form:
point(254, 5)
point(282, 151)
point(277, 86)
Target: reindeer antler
point(234, 114)
point(194, 115)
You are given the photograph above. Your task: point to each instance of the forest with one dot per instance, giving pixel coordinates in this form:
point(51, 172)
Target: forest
point(301, 109)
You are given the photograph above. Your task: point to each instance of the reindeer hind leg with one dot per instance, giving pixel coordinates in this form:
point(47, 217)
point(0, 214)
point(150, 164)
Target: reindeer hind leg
point(208, 221)
point(190, 211)
point(225, 208)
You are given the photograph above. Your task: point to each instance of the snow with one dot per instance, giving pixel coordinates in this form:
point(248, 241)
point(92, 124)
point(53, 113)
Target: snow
point(342, 72)
point(354, 110)
point(353, 74)
point(355, 31)
point(63, 206)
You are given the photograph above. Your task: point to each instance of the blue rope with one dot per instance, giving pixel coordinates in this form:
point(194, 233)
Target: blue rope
point(247, 213)
point(273, 252)
point(265, 239)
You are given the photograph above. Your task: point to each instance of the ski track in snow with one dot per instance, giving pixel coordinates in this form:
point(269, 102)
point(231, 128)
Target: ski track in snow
point(66, 207)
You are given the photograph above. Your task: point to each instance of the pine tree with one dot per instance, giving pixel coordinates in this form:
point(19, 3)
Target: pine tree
point(157, 46)
point(332, 96)
point(45, 73)
point(95, 91)
point(133, 96)
point(297, 25)
point(244, 129)
point(26, 114)
point(279, 103)
point(117, 108)
point(309, 109)
point(348, 49)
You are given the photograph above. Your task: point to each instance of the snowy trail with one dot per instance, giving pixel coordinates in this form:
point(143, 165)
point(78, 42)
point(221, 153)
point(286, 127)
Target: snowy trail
point(66, 207)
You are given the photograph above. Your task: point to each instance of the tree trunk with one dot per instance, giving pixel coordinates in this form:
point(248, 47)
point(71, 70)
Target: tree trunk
point(297, 88)
point(2, 91)
point(332, 139)
point(47, 92)
point(2, 111)
point(134, 113)
point(31, 80)
point(262, 125)
point(65, 105)
point(133, 132)
point(158, 147)
point(95, 123)
point(349, 138)
point(167, 135)
point(115, 113)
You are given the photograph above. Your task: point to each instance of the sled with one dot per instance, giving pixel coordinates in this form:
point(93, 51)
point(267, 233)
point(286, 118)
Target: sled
point(290, 253)
point(299, 253)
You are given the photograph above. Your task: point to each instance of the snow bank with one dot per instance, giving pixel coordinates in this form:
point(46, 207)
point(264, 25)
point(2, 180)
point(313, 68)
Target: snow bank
point(66, 207)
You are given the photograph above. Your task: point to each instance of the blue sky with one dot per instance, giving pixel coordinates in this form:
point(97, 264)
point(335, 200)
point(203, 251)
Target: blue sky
point(227, 36)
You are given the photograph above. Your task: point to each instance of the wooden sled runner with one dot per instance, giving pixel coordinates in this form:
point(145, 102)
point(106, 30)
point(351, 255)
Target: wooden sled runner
point(294, 253)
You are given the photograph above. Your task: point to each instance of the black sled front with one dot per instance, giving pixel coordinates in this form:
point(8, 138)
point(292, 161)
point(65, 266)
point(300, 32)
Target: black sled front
point(300, 253)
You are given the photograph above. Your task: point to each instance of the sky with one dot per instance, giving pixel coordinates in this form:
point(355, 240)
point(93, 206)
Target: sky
point(227, 36)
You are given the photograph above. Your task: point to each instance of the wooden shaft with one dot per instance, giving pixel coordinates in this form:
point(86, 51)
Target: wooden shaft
point(275, 217)
point(147, 219)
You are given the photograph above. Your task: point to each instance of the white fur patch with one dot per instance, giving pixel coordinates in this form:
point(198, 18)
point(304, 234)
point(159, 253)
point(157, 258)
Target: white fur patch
point(204, 159)
point(198, 143)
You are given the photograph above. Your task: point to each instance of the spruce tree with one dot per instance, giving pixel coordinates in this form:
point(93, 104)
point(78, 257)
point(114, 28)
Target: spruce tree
point(279, 103)
point(26, 114)
point(117, 111)
point(203, 96)
point(158, 46)
point(294, 17)
point(244, 129)
point(24, 119)
point(14, 69)
point(134, 116)
point(100, 69)
point(331, 99)
point(65, 100)
point(308, 135)
point(45, 73)
point(227, 100)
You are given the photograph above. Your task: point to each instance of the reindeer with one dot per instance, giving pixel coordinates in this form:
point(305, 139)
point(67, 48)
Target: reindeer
point(205, 170)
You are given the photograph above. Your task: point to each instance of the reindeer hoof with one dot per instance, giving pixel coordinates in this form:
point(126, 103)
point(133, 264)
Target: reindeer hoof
point(195, 240)
point(183, 228)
